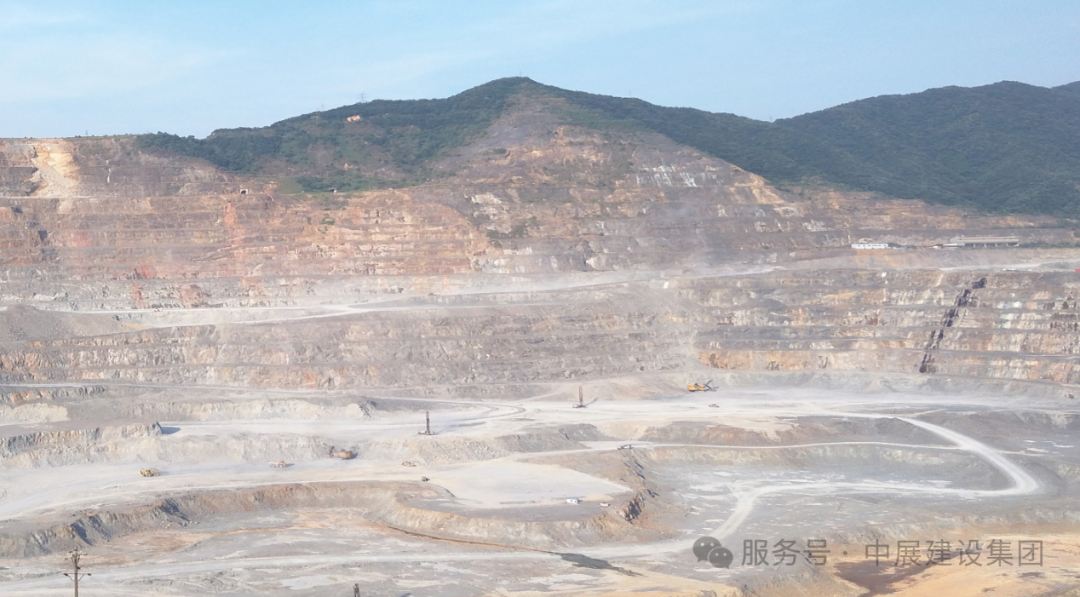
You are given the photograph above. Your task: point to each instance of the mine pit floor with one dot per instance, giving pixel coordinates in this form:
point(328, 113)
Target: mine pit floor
point(803, 465)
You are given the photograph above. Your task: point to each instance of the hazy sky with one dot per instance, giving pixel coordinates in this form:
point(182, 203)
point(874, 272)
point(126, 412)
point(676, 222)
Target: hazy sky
point(191, 66)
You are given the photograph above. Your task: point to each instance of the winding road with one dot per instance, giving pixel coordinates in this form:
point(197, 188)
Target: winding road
point(96, 484)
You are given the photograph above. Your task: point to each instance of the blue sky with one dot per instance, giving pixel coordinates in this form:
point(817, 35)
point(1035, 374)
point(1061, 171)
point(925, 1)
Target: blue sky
point(191, 66)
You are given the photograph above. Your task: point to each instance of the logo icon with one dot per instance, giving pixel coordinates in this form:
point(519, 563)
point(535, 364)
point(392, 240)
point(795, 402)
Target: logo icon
point(708, 548)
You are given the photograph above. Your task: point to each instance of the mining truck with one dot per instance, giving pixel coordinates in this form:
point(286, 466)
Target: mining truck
point(149, 472)
point(344, 454)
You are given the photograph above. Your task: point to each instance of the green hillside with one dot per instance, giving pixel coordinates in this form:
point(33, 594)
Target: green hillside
point(1007, 147)
point(391, 143)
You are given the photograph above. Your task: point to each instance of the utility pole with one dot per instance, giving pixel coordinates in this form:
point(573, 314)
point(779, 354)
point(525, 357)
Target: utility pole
point(75, 576)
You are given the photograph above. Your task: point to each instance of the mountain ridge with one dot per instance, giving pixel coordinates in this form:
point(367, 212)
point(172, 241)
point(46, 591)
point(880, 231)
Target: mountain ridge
point(1006, 147)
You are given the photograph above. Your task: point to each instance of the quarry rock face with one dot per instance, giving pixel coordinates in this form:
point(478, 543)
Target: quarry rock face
point(96, 225)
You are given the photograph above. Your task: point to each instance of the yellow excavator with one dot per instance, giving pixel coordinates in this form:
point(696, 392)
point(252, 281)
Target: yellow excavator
point(700, 387)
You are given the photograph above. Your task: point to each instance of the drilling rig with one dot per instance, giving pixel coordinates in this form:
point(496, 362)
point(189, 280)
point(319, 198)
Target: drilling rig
point(580, 398)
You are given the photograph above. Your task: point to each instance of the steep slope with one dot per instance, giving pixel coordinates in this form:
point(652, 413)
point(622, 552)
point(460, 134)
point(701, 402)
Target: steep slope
point(541, 252)
point(530, 196)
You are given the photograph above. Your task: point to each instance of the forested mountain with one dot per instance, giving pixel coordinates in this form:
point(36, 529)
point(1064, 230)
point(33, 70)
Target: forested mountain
point(1007, 147)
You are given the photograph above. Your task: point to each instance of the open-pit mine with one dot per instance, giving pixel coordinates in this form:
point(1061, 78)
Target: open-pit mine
point(478, 385)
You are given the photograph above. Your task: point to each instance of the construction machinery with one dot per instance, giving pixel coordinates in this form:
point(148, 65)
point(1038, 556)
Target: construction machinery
point(427, 425)
point(343, 455)
point(700, 387)
point(408, 463)
point(279, 464)
point(149, 472)
point(580, 398)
